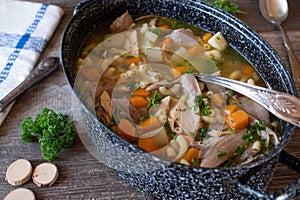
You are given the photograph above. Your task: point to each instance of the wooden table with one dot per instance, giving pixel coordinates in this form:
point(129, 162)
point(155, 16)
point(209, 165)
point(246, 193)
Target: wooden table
point(81, 175)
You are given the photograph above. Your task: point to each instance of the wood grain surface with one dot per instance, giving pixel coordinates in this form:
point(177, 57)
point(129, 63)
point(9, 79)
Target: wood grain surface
point(81, 175)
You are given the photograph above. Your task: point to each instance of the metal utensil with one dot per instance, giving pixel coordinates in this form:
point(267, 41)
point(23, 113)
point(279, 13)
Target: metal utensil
point(282, 105)
point(276, 11)
point(41, 71)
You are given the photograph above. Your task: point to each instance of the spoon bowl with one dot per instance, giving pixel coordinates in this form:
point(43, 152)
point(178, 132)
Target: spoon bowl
point(276, 12)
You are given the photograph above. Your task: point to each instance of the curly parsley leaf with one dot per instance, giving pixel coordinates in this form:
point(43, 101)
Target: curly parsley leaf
point(227, 6)
point(155, 99)
point(239, 150)
point(201, 134)
point(253, 130)
point(28, 129)
point(203, 104)
point(52, 130)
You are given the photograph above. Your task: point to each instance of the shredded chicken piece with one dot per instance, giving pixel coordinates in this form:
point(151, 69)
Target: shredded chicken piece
point(122, 23)
point(165, 103)
point(162, 83)
point(190, 84)
point(152, 23)
point(226, 143)
point(188, 81)
point(184, 37)
point(185, 118)
point(105, 103)
point(272, 133)
point(131, 43)
point(105, 85)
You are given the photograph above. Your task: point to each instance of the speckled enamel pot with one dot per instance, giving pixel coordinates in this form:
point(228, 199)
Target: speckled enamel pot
point(160, 178)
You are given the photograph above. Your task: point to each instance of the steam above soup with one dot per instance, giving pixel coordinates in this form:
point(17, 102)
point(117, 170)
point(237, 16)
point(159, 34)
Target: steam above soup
point(138, 75)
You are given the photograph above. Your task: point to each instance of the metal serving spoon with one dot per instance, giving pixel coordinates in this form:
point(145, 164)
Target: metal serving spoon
point(283, 106)
point(276, 11)
point(45, 68)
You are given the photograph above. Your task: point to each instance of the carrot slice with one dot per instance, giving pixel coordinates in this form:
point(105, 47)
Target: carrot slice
point(178, 71)
point(207, 36)
point(181, 69)
point(148, 144)
point(230, 109)
point(238, 119)
point(150, 124)
point(131, 59)
point(138, 101)
point(191, 154)
point(141, 92)
point(248, 70)
point(126, 130)
point(165, 26)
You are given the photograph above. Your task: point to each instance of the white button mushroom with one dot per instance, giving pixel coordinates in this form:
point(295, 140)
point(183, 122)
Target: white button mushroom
point(45, 174)
point(20, 193)
point(19, 172)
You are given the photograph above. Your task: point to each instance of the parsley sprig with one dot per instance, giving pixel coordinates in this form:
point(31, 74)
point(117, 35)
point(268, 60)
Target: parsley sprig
point(53, 132)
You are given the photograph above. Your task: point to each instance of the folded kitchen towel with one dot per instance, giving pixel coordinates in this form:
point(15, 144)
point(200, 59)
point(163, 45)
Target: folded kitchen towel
point(25, 29)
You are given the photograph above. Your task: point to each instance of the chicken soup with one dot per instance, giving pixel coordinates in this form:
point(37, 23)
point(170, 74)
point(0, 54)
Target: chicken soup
point(142, 71)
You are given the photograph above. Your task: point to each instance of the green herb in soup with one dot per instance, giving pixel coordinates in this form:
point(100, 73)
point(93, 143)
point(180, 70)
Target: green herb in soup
point(150, 96)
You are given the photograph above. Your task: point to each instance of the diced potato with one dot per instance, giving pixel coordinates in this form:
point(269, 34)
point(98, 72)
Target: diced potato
point(154, 55)
point(151, 36)
point(218, 41)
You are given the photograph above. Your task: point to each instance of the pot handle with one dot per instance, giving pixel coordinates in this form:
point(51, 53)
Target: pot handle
point(289, 192)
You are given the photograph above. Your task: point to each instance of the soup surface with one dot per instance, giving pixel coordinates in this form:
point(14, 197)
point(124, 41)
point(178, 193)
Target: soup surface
point(138, 75)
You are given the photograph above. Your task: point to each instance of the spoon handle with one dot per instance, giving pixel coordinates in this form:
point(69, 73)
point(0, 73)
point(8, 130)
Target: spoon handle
point(295, 65)
point(284, 106)
point(41, 71)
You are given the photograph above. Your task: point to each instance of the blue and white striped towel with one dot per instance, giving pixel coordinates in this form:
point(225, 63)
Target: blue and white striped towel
point(25, 29)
